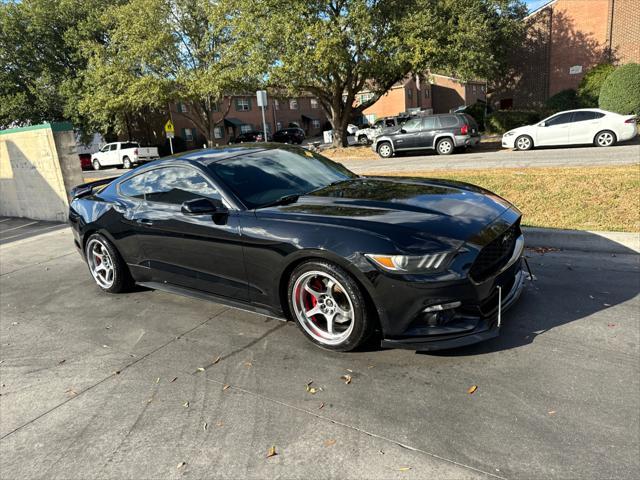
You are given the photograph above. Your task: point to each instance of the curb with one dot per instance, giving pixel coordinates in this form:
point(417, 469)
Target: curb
point(584, 241)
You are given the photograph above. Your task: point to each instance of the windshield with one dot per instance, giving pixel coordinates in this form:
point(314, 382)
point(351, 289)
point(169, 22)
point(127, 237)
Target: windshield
point(263, 177)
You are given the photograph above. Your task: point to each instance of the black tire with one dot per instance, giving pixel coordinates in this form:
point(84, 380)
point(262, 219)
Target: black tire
point(126, 163)
point(523, 143)
point(96, 164)
point(385, 150)
point(445, 146)
point(363, 324)
point(363, 140)
point(122, 279)
point(605, 138)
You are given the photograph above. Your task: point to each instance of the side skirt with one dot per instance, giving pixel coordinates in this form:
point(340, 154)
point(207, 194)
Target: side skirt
point(187, 292)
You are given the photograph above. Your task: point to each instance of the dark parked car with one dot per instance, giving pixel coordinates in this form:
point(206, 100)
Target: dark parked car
point(250, 137)
point(444, 133)
point(285, 232)
point(289, 135)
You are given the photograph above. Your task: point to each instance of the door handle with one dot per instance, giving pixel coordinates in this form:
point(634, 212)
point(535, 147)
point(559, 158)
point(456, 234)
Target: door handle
point(144, 221)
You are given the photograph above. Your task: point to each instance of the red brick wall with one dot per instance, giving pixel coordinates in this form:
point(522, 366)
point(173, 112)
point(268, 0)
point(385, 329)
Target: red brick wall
point(391, 103)
point(625, 31)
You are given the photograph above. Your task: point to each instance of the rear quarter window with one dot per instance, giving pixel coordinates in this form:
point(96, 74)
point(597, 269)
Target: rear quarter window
point(133, 187)
point(448, 121)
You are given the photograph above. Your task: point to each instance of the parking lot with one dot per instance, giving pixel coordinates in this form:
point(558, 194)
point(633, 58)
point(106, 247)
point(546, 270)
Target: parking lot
point(149, 385)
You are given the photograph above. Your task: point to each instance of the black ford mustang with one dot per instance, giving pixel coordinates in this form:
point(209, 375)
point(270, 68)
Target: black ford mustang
point(285, 232)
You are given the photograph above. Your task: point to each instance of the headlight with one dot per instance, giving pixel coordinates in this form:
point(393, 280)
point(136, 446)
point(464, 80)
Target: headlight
point(411, 263)
point(508, 134)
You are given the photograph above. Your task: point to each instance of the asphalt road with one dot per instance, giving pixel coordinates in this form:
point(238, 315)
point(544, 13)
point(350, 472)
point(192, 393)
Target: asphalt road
point(625, 154)
point(109, 386)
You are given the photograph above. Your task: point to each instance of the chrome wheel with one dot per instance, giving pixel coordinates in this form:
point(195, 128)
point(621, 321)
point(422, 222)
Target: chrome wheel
point(523, 143)
point(100, 263)
point(445, 147)
point(384, 150)
point(323, 307)
point(605, 139)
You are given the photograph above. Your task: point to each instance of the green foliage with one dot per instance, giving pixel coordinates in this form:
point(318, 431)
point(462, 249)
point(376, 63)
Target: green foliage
point(334, 49)
point(564, 100)
point(477, 111)
point(589, 89)
point(620, 92)
point(502, 121)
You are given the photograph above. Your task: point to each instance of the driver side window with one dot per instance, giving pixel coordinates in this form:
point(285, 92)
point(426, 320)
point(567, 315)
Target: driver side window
point(558, 120)
point(413, 125)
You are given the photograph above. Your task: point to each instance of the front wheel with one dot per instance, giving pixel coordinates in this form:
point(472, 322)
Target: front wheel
point(96, 164)
point(524, 142)
point(445, 146)
point(363, 140)
point(605, 139)
point(328, 306)
point(385, 150)
point(126, 163)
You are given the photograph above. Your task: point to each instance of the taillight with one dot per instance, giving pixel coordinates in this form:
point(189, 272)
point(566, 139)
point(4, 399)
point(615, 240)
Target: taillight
point(464, 130)
point(630, 120)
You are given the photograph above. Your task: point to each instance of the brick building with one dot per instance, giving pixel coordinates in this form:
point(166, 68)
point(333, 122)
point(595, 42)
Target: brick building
point(409, 94)
point(240, 113)
point(565, 39)
point(449, 93)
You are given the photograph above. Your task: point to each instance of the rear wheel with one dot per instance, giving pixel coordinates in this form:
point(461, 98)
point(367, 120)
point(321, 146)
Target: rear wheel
point(524, 142)
point(126, 163)
point(605, 138)
point(363, 140)
point(385, 150)
point(328, 306)
point(96, 164)
point(107, 267)
point(445, 146)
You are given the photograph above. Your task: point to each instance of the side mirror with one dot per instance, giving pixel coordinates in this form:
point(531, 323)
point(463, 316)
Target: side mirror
point(542, 124)
point(203, 206)
point(402, 130)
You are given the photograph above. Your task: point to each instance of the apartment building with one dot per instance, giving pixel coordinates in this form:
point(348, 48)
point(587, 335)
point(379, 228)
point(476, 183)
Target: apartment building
point(450, 93)
point(565, 39)
point(240, 113)
point(412, 93)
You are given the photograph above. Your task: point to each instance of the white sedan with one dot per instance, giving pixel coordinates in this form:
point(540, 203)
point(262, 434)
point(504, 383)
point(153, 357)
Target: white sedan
point(573, 127)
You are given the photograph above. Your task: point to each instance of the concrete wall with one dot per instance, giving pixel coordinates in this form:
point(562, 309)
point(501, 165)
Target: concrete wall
point(38, 168)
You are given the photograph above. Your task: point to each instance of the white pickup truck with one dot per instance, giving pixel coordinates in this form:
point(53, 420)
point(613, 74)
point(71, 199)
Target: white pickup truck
point(122, 155)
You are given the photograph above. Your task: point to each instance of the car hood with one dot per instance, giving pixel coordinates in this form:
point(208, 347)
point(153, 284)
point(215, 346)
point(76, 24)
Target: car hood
point(528, 129)
point(402, 209)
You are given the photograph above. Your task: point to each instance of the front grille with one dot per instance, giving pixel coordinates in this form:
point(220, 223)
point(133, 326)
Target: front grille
point(495, 255)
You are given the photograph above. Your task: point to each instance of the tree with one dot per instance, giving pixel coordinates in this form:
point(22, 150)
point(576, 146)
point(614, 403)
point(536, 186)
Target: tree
point(333, 49)
point(591, 83)
point(563, 100)
point(40, 57)
point(161, 51)
point(620, 92)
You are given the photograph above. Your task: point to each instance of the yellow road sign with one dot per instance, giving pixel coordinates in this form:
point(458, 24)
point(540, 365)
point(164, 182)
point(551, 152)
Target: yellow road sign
point(168, 127)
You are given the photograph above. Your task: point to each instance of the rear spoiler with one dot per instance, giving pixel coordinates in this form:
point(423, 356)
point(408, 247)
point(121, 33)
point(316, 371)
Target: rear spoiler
point(87, 188)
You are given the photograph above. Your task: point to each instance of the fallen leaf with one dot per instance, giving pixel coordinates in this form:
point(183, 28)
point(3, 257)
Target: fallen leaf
point(404, 469)
point(225, 387)
point(551, 412)
point(105, 346)
point(185, 404)
point(71, 392)
point(158, 380)
point(611, 324)
point(180, 465)
point(61, 361)
point(173, 379)
point(329, 442)
point(200, 369)
point(346, 378)
point(218, 358)
point(116, 372)
point(248, 364)
point(371, 366)
point(149, 401)
point(204, 426)
point(380, 452)
point(321, 406)
point(220, 424)
point(310, 389)
point(349, 370)
point(272, 452)
point(472, 389)
point(606, 304)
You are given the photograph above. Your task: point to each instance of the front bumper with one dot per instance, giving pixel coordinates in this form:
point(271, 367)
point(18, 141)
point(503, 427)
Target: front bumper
point(509, 142)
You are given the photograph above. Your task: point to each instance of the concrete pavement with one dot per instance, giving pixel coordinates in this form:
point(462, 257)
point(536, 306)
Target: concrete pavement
point(97, 385)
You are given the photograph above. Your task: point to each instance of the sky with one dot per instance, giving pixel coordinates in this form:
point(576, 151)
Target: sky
point(533, 4)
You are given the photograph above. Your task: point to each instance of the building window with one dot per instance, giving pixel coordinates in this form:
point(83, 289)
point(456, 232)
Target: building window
point(218, 132)
point(315, 123)
point(276, 104)
point(410, 93)
point(215, 107)
point(314, 103)
point(293, 103)
point(182, 107)
point(474, 89)
point(189, 134)
point(371, 118)
point(364, 97)
point(245, 128)
point(243, 104)
point(278, 125)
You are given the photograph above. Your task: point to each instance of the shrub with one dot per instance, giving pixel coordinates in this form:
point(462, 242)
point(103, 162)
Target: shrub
point(564, 100)
point(501, 121)
point(589, 89)
point(477, 112)
point(620, 92)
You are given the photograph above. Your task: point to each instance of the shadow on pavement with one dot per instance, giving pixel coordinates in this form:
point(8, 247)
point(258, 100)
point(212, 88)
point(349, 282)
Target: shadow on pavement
point(13, 229)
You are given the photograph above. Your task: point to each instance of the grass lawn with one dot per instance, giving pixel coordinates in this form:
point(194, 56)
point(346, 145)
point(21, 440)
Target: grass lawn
point(582, 198)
